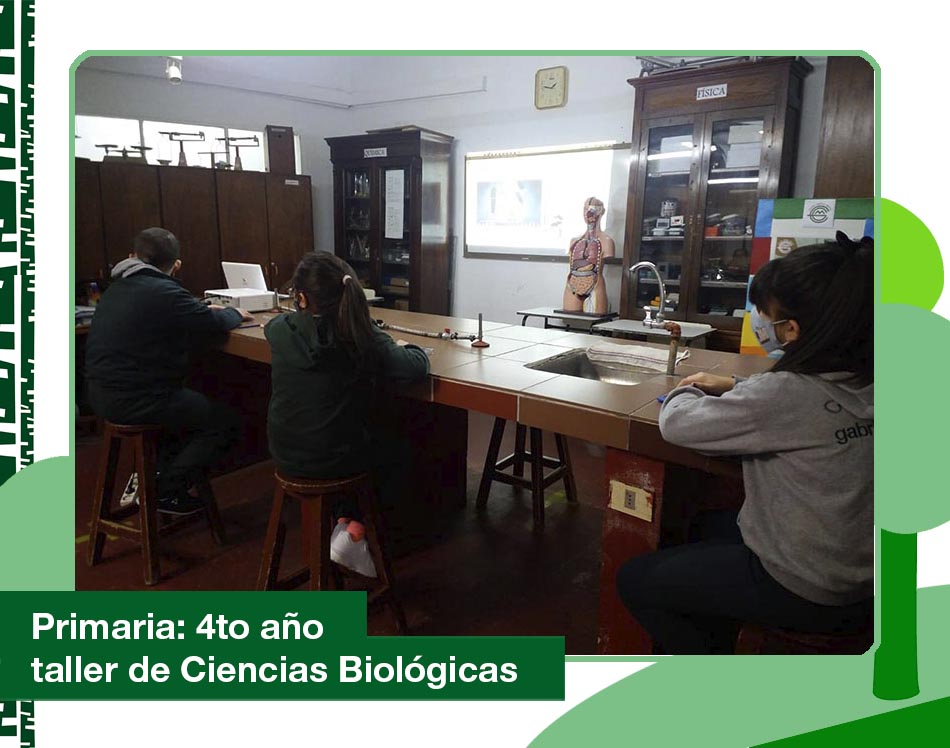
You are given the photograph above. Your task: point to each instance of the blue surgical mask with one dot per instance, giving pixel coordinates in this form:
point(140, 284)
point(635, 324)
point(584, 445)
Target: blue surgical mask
point(764, 330)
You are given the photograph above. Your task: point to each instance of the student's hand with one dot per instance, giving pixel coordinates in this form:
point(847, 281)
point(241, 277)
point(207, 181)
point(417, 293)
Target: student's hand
point(217, 307)
point(402, 342)
point(245, 316)
point(708, 383)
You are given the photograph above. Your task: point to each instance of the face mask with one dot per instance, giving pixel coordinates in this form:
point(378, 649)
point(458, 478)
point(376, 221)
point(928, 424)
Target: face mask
point(764, 330)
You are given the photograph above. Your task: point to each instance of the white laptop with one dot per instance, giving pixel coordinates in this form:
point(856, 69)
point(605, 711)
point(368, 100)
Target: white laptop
point(244, 275)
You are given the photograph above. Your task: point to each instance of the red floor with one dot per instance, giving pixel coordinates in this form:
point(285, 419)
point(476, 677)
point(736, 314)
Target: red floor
point(471, 574)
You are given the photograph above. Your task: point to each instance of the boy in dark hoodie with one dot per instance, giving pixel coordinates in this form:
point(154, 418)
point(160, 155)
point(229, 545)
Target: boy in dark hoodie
point(137, 359)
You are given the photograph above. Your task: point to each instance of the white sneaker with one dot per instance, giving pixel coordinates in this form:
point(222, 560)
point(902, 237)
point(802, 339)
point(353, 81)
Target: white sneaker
point(131, 493)
point(354, 555)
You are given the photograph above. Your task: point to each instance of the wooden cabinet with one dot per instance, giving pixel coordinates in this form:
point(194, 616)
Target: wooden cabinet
point(90, 260)
point(130, 203)
point(189, 211)
point(242, 216)
point(391, 217)
point(846, 152)
point(289, 225)
point(255, 217)
point(707, 144)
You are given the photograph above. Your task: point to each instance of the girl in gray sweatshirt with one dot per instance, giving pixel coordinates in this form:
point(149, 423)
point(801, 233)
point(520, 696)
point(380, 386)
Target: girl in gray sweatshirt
point(801, 554)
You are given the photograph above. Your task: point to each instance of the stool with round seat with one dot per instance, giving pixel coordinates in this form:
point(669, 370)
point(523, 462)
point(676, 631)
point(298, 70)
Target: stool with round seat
point(535, 458)
point(766, 640)
point(316, 499)
point(143, 441)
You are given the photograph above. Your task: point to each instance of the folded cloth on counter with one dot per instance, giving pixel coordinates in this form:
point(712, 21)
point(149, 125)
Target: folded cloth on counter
point(633, 355)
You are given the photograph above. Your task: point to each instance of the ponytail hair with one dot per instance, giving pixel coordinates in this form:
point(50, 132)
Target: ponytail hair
point(334, 292)
point(828, 289)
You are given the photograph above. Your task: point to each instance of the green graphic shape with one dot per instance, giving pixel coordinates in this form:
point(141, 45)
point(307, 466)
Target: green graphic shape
point(909, 419)
point(741, 701)
point(893, 728)
point(911, 265)
point(908, 500)
point(36, 521)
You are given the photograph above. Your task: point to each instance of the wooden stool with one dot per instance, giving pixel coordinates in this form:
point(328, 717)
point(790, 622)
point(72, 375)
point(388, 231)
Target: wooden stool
point(144, 442)
point(763, 640)
point(536, 459)
point(316, 519)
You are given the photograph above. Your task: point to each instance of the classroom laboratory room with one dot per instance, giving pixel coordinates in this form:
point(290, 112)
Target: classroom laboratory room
point(575, 345)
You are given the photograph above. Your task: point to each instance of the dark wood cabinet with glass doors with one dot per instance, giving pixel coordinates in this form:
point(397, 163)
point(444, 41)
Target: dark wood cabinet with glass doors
point(707, 144)
point(391, 214)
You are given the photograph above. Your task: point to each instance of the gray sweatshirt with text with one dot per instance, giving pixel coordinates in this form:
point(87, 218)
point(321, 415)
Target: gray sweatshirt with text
point(806, 444)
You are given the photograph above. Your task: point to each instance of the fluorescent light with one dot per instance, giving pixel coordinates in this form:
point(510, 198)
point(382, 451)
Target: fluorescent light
point(734, 180)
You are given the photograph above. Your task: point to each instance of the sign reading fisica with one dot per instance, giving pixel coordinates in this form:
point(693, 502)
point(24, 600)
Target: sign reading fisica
point(718, 91)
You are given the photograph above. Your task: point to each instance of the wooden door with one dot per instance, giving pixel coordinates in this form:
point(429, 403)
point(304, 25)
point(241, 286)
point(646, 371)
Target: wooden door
point(130, 204)
point(289, 225)
point(90, 255)
point(189, 211)
point(242, 216)
point(846, 152)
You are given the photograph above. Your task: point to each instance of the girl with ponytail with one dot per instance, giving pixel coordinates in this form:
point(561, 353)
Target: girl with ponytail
point(326, 359)
point(800, 553)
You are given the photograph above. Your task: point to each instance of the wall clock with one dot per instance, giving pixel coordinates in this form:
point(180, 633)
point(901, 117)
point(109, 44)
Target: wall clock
point(550, 87)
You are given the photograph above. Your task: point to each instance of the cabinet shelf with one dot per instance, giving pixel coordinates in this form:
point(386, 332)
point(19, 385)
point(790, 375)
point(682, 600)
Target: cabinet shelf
point(741, 238)
point(662, 238)
point(723, 284)
point(734, 169)
point(658, 174)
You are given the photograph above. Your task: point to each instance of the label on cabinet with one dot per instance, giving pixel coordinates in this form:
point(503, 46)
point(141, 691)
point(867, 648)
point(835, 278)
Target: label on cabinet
point(717, 91)
point(375, 152)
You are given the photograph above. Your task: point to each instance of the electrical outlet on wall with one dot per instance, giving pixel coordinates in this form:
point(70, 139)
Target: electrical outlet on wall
point(631, 500)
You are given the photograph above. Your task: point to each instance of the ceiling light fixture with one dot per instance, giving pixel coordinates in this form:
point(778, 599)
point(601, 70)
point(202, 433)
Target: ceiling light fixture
point(173, 69)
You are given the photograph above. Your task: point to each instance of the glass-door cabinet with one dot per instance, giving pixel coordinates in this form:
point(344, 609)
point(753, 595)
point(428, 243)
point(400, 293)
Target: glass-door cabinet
point(707, 145)
point(381, 184)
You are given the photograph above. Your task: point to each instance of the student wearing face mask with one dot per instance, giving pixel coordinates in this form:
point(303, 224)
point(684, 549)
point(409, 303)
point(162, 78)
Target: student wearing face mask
point(327, 360)
point(801, 554)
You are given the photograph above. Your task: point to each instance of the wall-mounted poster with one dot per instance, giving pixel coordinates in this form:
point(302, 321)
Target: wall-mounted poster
point(782, 226)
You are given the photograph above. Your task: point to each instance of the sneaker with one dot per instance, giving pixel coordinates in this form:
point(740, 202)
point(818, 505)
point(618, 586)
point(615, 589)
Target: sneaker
point(131, 493)
point(182, 505)
point(353, 554)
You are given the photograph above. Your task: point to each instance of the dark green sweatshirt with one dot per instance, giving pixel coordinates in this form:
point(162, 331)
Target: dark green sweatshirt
point(321, 400)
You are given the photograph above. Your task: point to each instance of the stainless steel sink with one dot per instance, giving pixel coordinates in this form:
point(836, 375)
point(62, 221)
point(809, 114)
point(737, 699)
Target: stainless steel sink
point(575, 363)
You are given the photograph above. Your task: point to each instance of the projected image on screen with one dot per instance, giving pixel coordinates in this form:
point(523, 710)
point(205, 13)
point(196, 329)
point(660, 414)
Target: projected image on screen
point(528, 202)
point(509, 203)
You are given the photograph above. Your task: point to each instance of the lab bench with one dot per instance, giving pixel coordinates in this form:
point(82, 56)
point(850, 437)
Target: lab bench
point(494, 380)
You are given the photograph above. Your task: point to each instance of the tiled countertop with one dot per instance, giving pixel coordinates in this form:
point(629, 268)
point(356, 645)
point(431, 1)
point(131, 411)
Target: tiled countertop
point(495, 380)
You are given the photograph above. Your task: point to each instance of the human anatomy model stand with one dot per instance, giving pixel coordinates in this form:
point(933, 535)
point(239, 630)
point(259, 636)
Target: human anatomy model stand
point(585, 278)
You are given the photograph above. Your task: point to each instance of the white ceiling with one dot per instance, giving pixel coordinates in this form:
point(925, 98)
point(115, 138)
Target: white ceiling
point(327, 79)
point(334, 80)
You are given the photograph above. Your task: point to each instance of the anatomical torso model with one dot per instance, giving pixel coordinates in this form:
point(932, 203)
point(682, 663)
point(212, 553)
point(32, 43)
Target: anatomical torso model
point(585, 278)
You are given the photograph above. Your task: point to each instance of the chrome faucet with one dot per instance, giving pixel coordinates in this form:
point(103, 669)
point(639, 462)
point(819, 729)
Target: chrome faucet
point(656, 320)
